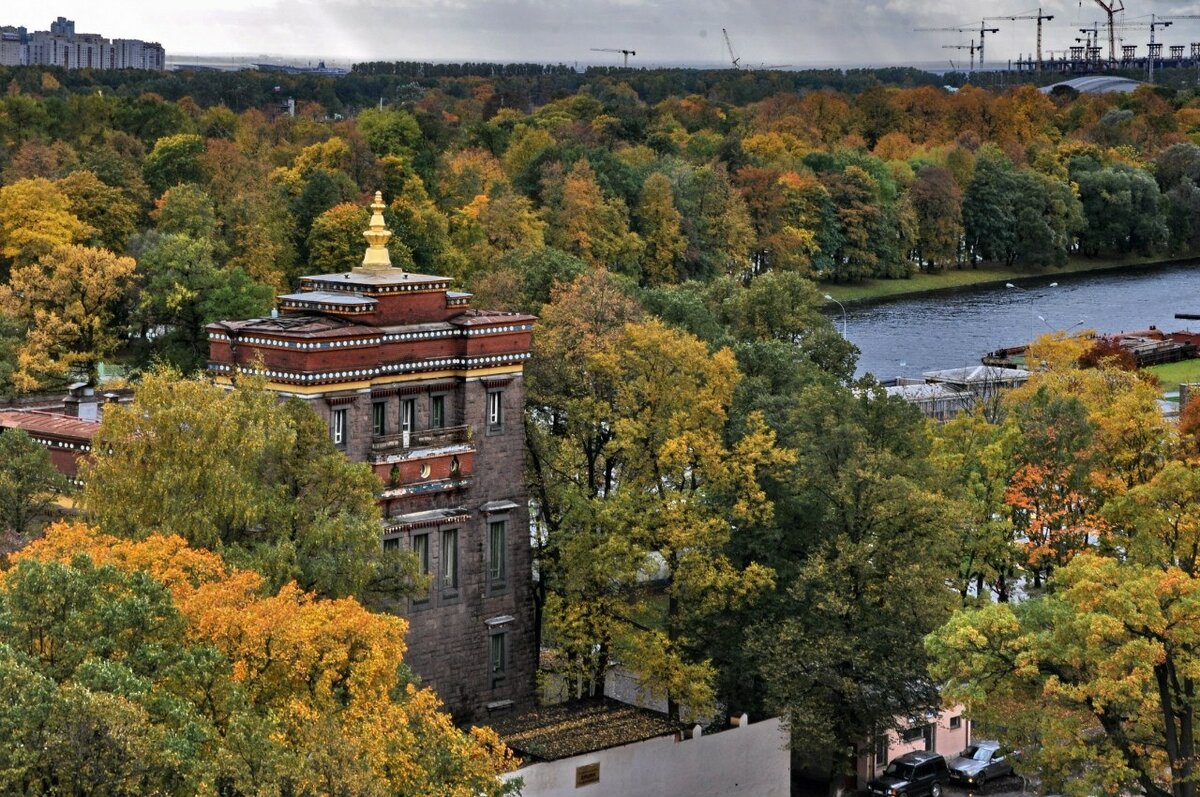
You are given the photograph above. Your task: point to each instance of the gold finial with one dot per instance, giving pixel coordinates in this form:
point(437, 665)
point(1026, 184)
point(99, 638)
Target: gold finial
point(377, 235)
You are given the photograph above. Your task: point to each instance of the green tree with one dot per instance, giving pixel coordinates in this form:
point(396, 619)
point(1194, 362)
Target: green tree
point(184, 290)
point(839, 650)
point(389, 132)
point(175, 159)
point(242, 474)
point(28, 481)
point(1122, 210)
point(105, 209)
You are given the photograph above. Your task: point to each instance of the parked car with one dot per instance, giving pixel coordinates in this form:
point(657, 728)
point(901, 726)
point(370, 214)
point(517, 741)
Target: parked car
point(912, 775)
point(981, 762)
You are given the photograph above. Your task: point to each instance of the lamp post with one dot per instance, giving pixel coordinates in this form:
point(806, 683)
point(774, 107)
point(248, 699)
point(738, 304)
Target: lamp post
point(839, 304)
point(1049, 326)
point(1032, 312)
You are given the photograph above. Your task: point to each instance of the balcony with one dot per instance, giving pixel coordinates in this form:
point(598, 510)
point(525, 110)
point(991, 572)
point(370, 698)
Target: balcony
point(426, 438)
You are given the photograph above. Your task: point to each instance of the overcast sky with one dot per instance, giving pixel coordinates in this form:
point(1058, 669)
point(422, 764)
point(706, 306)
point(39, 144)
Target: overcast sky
point(799, 32)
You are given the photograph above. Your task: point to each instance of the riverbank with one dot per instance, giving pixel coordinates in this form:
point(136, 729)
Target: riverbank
point(872, 290)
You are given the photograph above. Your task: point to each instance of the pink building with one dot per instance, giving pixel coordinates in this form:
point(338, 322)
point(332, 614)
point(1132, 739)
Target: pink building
point(948, 733)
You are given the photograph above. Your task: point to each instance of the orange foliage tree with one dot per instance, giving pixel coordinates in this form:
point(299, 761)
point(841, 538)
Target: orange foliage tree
point(311, 694)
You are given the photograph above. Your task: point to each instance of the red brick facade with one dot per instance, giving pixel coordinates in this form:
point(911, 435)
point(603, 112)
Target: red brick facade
point(429, 392)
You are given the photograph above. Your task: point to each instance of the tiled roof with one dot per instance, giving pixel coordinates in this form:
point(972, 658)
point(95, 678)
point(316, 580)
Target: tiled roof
point(49, 423)
point(549, 733)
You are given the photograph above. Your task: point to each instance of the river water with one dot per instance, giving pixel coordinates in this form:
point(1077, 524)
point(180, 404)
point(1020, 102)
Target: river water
point(950, 329)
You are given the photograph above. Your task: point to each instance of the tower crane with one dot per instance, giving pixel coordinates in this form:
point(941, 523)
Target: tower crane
point(970, 47)
point(625, 53)
point(1039, 16)
point(1111, 8)
point(733, 57)
point(1154, 23)
point(983, 31)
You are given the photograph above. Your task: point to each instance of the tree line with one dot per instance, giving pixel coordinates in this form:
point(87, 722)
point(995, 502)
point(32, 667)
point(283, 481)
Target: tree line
point(722, 509)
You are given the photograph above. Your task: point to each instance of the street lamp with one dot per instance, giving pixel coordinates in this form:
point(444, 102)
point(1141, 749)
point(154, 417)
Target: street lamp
point(839, 304)
point(1031, 309)
point(1049, 326)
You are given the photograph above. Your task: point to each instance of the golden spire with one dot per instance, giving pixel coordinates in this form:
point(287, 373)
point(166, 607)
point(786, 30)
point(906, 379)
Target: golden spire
point(377, 235)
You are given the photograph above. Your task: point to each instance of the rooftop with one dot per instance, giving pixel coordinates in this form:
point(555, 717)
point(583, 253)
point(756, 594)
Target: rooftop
point(49, 423)
point(549, 733)
point(978, 374)
point(1096, 84)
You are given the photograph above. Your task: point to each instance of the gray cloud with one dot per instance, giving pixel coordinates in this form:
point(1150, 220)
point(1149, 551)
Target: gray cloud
point(801, 32)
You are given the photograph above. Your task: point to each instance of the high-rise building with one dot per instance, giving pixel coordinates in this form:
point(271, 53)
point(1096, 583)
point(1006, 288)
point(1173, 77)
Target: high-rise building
point(429, 393)
point(14, 46)
point(62, 46)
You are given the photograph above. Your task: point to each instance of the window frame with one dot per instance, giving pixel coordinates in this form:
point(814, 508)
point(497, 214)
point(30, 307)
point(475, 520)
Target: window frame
point(495, 410)
point(497, 657)
point(437, 411)
point(408, 415)
point(339, 421)
point(379, 418)
point(448, 564)
point(497, 565)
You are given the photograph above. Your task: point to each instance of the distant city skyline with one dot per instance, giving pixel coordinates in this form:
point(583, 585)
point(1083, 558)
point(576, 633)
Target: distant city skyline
point(771, 32)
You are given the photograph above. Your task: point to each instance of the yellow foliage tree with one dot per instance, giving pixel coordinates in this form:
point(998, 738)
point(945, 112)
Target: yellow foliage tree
point(35, 216)
point(325, 675)
point(67, 302)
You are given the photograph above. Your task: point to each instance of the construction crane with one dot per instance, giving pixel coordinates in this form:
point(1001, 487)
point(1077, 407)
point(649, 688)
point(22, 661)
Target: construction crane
point(1039, 16)
point(625, 53)
point(1111, 8)
point(970, 47)
point(983, 31)
point(733, 57)
point(1154, 23)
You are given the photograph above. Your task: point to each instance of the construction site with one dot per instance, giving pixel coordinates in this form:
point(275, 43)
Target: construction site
point(1113, 43)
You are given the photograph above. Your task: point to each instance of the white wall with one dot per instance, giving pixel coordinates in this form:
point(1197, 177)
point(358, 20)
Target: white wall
point(751, 759)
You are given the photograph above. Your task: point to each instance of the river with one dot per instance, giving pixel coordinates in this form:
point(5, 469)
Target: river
point(950, 329)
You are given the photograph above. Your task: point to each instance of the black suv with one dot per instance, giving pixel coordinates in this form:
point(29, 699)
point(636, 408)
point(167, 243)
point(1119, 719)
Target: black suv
point(912, 775)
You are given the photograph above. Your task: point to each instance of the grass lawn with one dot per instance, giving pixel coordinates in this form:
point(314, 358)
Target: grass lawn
point(1171, 374)
point(922, 283)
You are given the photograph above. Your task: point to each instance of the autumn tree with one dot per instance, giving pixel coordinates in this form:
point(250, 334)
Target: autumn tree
point(658, 222)
point(937, 201)
point(151, 667)
point(243, 474)
point(68, 302)
point(659, 501)
point(35, 217)
point(585, 223)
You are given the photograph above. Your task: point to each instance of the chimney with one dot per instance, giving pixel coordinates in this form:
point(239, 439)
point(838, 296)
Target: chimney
point(81, 402)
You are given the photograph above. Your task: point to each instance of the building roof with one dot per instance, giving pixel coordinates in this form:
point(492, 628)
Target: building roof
point(311, 326)
point(978, 375)
point(548, 733)
point(1096, 84)
point(324, 297)
point(925, 391)
point(49, 423)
